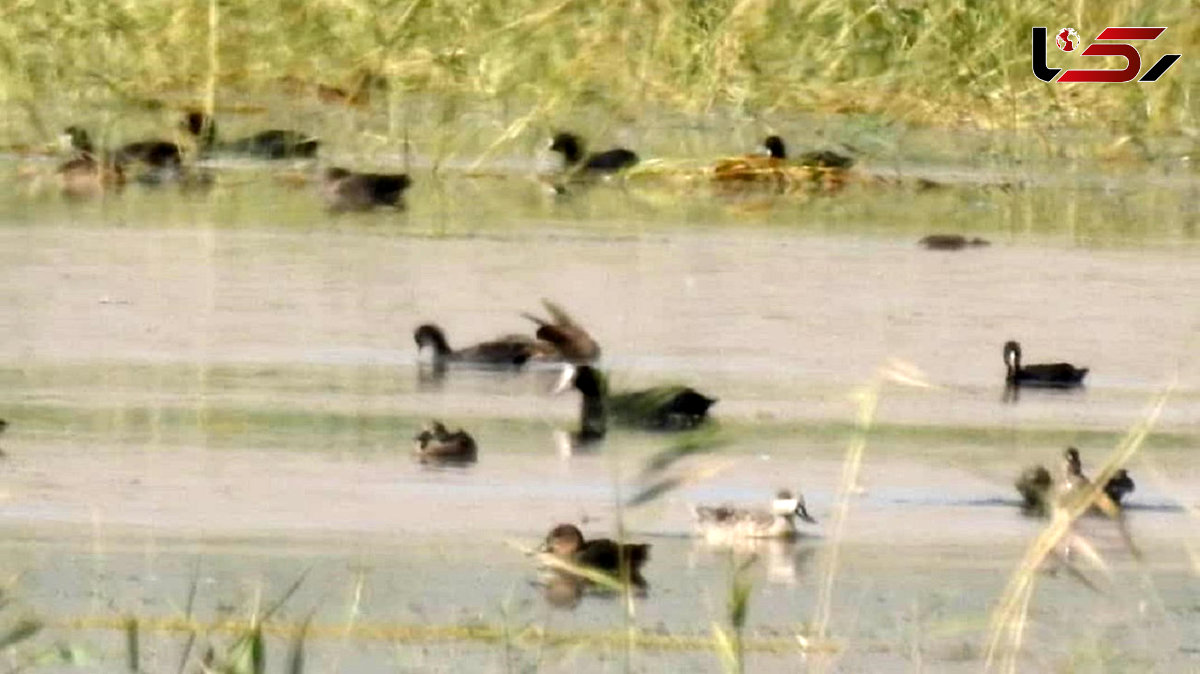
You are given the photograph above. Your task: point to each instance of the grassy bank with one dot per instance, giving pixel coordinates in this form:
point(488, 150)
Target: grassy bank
point(961, 62)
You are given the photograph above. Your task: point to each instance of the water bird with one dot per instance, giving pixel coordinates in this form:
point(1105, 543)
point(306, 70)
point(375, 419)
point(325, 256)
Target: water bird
point(505, 351)
point(662, 408)
point(726, 523)
point(346, 190)
point(86, 174)
point(1119, 486)
point(435, 443)
point(566, 542)
point(1040, 491)
point(826, 159)
point(268, 144)
point(576, 160)
point(571, 340)
point(773, 165)
point(951, 242)
point(1051, 375)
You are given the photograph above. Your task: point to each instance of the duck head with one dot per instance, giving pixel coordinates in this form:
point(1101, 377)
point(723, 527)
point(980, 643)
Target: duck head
point(569, 146)
point(201, 126)
point(77, 138)
point(1012, 357)
point(1071, 462)
point(775, 147)
point(563, 540)
point(430, 336)
point(787, 504)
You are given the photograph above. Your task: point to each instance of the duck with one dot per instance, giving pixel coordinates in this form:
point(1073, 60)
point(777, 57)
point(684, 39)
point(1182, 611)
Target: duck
point(85, 174)
point(575, 160)
point(506, 351)
point(1119, 486)
point(566, 542)
point(269, 144)
point(155, 154)
point(826, 159)
point(435, 443)
point(662, 408)
point(725, 523)
point(1052, 375)
point(951, 242)
point(1039, 490)
point(573, 343)
point(1034, 484)
point(774, 165)
point(345, 190)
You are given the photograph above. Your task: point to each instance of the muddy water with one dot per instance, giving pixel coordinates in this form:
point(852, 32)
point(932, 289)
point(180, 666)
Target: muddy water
point(219, 388)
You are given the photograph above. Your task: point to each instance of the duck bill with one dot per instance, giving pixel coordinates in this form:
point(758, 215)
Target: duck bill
point(565, 380)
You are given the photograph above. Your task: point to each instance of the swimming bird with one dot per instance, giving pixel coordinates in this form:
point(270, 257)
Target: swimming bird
point(662, 408)
point(573, 343)
point(1035, 485)
point(951, 242)
point(85, 174)
point(1052, 375)
point(826, 168)
point(435, 443)
point(1039, 491)
point(346, 190)
point(575, 160)
point(566, 542)
point(826, 159)
point(1119, 486)
point(269, 144)
point(506, 351)
point(725, 523)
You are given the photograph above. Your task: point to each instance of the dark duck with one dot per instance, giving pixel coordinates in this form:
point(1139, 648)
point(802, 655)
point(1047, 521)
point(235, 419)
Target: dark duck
point(623, 560)
point(508, 351)
point(558, 338)
point(662, 408)
point(1050, 375)
point(576, 160)
point(268, 144)
point(437, 444)
point(826, 159)
point(346, 190)
point(775, 167)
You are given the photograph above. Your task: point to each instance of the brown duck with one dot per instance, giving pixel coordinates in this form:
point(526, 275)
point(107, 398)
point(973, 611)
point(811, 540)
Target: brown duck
point(435, 443)
point(573, 343)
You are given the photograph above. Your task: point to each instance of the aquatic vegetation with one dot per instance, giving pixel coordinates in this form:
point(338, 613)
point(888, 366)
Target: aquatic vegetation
point(928, 62)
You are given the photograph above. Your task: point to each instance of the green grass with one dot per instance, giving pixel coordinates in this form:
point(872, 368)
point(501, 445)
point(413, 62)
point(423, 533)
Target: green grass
point(535, 61)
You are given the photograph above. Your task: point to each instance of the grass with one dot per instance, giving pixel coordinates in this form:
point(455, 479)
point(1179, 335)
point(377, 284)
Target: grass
point(532, 63)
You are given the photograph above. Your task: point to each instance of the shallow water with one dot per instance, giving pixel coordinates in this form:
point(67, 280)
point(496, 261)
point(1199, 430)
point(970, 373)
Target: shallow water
point(222, 385)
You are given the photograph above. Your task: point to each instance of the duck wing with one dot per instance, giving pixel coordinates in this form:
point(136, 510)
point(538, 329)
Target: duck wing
point(826, 159)
point(666, 408)
point(1052, 374)
point(571, 340)
point(611, 160)
point(607, 555)
point(276, 144)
